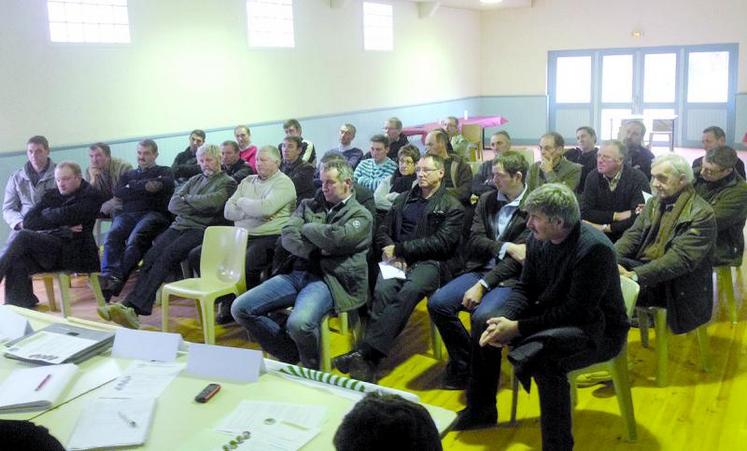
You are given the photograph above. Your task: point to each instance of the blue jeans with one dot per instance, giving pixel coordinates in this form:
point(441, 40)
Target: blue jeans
point(445, 305)
point(299, 339)
point(131, 235)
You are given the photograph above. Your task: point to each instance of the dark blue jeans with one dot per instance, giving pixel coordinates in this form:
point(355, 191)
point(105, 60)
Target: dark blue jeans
point(131, 235)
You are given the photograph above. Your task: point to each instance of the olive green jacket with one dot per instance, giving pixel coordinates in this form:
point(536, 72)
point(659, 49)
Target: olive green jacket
point(728, 198)
point(565, 172)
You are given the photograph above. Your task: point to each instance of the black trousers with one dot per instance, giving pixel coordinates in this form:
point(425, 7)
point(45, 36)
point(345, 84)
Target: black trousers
point(28, 253)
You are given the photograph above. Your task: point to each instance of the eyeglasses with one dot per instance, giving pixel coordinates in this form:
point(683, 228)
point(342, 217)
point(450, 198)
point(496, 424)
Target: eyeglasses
point(407, 162)
point(426, 170)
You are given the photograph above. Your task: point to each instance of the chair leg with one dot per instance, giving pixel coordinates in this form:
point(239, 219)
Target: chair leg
point(63, 280)
point(164, 296)
point(662, 346)
point(96, 288)
point(49, 289)
point(207, 306)
point(621, 380)
point(703, 349)
point(643, 325)
point(343, 318)
point(437, 343)
point(514, 396)
point(725, 287)
point(325, 359)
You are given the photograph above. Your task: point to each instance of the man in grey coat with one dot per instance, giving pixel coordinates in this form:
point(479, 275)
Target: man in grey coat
point(328, 238)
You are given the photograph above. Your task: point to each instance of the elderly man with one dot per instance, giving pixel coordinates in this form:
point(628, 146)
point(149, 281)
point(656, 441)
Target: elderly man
point(103, 174)
point(393, 130)
point(421, 231)
point(56, 235)
point(638, 156)
point(726, 191)
point(144, 193)
point(459, 144)
point(669, 248)
point(372, 171)
point(715, 137)
point(292, 128)
point(566, 312)
point(494, 255)
point(231, 162)
point(457, 173)
point(500, 142)
point(185, 163)
point(353, 155)
point(613, 191)
point(299, 170)
point(584, 154)
point(26, 186)
point(553, 167)
point(328, 238)
point(247, 150)
point(197, 204)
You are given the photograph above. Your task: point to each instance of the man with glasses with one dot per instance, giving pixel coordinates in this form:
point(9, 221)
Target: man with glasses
point(420, 232)
point(553, 167)
point(400, 182)
point(714, 137)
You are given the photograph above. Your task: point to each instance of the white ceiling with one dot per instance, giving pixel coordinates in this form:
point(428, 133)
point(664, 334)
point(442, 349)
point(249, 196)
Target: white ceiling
point(476, 5)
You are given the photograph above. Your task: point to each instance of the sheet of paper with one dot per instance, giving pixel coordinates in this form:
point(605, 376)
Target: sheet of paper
point(49, 347)
point(646, 196)
point(390, 272)
point(143, 380)
point(275, 437)
point(254, 413)
point(234, 364)
point(146, 345)
point(12, 325)
point(107, 423)
point(93, 378)
point(35, 387)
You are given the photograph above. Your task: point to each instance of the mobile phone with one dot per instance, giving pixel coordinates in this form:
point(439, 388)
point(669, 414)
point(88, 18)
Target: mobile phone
point(207, 393)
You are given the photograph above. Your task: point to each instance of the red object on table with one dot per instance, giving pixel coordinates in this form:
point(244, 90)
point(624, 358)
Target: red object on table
point(483, 121)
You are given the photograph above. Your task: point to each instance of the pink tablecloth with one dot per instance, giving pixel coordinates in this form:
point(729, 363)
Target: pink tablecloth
point(483, 121)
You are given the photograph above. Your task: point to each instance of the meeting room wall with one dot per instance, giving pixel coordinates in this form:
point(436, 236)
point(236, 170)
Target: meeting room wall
point(515, 43)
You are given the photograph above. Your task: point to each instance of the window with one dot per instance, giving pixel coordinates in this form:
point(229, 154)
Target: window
point(88, 21)
point(617, 78)
point(574, 79)
point(708, 77)
point(378, 26)
point(270, 23)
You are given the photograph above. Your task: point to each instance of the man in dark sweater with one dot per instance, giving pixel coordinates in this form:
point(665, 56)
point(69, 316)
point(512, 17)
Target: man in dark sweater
point(613, 192)
point(300, 172)
point(185, 164)
point(638, 156)
point(393, 130)
point(231, 162)
point(714, 137)
point(566, 312)
point(145, 194)
point(584, 154)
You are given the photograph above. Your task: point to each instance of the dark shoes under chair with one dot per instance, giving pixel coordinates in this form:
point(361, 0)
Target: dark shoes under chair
point(110, 286)
point(357, 365)
point(469, 419)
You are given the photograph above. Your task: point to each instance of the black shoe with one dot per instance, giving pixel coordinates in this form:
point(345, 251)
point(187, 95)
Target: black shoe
point(110, 283)
point(224, 313)
point(454, 380)
point(469, 419)
point(343, 362)
point(363, 369)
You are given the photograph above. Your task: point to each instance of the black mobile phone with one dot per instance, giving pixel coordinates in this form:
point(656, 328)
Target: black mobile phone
point(207, 393)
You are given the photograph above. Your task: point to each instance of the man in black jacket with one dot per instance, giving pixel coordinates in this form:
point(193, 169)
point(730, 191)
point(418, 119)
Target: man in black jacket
point(185, 163)
point(566, 312)
point(613, 191)
point(714, 137)
point(494, 256)
point(300, 171)
point(231, 162)
point(421, 230)
point(584, 154)
point(57, 235)
point(638, 156)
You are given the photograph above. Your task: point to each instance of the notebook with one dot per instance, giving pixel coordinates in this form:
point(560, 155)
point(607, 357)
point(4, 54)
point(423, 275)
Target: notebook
point(35, 388)
point(59, 343)
point(113, 422)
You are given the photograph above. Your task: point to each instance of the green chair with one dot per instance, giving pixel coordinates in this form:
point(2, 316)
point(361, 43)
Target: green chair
point(617, 367)
point(725, 289)
point(222, 268)
point(64, 282)
point(325, 355)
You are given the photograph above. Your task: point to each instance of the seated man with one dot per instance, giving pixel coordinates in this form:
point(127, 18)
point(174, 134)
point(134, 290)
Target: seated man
point(613, 192)
point(27, 185)
point(722, 187)
point(669, 248)
point(300, 171)
point(145, 194)
point(103, 174)
point(372, 171)
point(500, 142)
point(584, 154)
point(231, 162)
point(328, 238)
point(401, 181)
point(553, 167)
point(393, 130)
point(247, 150)
point(638, 156)
point(714, 137)
point(459, 144)
point(353, 155)
point(566, 312)
point(292, 128)
point(420, 231)
point(57, 235)
point(493, 263)
point(457, 173)
point(363, 195)
point(185, 163)
point(197, 204)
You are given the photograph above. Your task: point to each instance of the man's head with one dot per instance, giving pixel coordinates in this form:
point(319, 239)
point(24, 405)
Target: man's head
point(292, 148)
point(37, 150)
point(436, 143)
point(500, 142)
point(292, 127)
point(196, 139)
point(450, 125)
point(347, 134)
point(713, 137)
point(68, 178)
point(387, 422)
point(208, 157)
point(718, 163)
point(430, 171)
point(553, 212)
point(670, 174)
point(147, 152)
point(610, 157)
point(379, 148)
point(268, 161)
point(586, 137)
point(243, 136)
point(393, 128)
point(99, 156)
point(509, 170)
point(552, 146)
point(337, 180)
point(407, 158)
point(633, 133)
point(229, 153)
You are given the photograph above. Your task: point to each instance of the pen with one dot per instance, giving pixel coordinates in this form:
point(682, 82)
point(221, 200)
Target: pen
point(127, 419)
point(44, 381)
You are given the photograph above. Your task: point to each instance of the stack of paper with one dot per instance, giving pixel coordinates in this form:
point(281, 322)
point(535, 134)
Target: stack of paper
point(112, 422)
point(59, 343)
point(35, 388)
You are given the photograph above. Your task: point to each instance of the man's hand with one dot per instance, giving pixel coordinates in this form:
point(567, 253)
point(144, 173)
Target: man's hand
point(153, 186)
point(547, 165)
point(639, 208)
point(77, 228)
point(599, 227)
point(387, 253)
point(517, 251)
point(93, 172)
point(398, 263)
point(621, 215)
point(500, 332)
point(473, 296)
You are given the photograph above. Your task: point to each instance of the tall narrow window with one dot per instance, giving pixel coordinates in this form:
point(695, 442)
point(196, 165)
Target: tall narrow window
point(378, 26)
point(574, 79)
point(270, 23)
point(88, 21)
point(708, 77)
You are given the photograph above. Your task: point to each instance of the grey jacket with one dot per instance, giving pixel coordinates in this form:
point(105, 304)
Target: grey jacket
point(21, 195)
point(199, 202)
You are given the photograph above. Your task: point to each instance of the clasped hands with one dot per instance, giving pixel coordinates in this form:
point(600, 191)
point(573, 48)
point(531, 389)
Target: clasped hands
point(500, 332)
point(387, 256)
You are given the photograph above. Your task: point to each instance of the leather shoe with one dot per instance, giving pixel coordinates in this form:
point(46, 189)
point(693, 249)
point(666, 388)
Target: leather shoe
point(342, 362)
point(224, 313)
point(362, 369)
point(111, 284)
point(469, 419)
point(454, 381)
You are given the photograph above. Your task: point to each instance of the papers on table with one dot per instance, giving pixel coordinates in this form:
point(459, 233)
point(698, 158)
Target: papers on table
point(112, 422)
point(143, 380)
point(59, 343)
point(146, 345)
point(35, 388)
point(390, 272)
point(12, 325)
point(222, 362)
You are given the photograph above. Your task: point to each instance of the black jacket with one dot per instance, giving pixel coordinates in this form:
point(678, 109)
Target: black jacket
point(587, 160)
point(135, 197)
point(640, 158)
point(185, 165)
point(302, 175)
point(238, 171)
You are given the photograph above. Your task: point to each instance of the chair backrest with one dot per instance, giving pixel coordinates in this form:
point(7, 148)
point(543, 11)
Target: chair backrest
point(224, 254)
point(527, 152)
point(472, 133)
point(630, 291)
point(662, 125)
